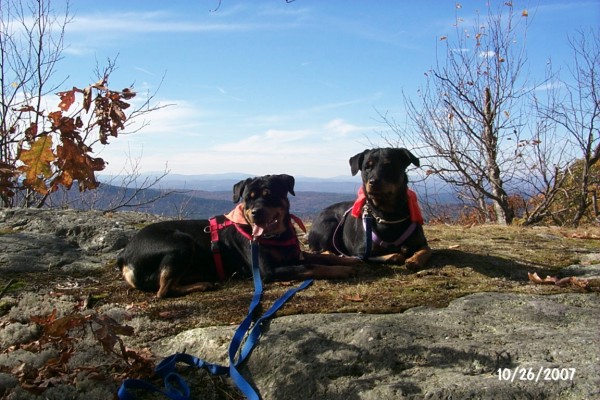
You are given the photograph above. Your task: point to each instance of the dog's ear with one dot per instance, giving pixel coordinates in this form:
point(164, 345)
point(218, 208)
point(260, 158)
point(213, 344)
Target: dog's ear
point(356, 162)
point(288, 182)
point(408, 158)
point(238, 189)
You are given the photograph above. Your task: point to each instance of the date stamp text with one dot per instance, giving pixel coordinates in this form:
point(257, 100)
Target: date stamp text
point(541, 374)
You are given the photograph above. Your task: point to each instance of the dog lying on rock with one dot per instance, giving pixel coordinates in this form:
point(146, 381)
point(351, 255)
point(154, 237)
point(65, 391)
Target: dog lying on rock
point(385, 207)
point(174, 258)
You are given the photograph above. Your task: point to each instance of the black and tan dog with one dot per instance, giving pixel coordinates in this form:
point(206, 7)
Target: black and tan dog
point(175, 258)
point(385, 202)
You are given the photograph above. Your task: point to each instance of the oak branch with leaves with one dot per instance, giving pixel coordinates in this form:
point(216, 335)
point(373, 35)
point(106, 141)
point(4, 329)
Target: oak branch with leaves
point(55, 148)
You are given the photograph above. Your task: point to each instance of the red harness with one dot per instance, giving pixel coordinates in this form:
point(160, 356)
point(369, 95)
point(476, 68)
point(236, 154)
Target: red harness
point(215, 227)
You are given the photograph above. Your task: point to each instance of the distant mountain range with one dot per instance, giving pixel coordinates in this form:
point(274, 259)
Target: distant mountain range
point(203, 196)
point(224, 182)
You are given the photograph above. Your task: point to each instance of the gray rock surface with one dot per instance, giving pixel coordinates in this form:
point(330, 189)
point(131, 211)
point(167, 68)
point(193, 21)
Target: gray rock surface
point(425, 353)
point(42, 239)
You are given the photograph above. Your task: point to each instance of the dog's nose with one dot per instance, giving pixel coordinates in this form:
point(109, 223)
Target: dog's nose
point(256, 212)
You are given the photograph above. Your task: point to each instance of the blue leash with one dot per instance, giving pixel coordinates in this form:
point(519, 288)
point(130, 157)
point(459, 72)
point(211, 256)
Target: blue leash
point(176, 388)
point(368, 224)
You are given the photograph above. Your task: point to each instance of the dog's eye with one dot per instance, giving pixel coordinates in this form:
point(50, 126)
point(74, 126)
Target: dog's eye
point(266, 192)
point(369, 164)
point(252, 195)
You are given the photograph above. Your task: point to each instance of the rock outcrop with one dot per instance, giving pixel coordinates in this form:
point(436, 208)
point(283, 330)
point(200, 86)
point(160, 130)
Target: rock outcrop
point(483, 345)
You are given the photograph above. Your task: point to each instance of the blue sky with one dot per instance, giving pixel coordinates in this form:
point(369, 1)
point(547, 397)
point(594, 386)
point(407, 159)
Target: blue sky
point(273, 87)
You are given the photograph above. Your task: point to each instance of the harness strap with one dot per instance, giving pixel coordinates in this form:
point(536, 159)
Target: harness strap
point(215, 227)
point(376, 240)
point(271, 242)
point(370, 235)
point(337, 229)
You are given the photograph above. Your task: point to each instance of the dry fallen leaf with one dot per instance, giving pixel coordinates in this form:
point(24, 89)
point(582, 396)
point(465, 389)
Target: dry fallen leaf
point(172, 314)
point(585, 235)
point(355, 298)
point(562, 282)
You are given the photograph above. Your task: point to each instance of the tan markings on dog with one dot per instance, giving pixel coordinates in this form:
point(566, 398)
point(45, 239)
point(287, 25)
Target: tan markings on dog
point(330, 259)
point(165, 283)
point(395, 258)
point(128, 275)
point(273, 219)
point(193, 287)
point(382, 195)
point(414, 263)
point(169, 286)
point(419, 259)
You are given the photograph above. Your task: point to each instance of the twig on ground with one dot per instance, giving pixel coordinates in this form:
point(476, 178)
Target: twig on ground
point(6, 287)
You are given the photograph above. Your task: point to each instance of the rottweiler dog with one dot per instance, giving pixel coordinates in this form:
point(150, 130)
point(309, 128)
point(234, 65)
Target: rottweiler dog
point(385, 202)
point(174, 258)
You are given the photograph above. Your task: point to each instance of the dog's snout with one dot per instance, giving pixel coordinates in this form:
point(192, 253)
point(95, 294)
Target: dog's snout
point(257, 213)
point(373, 180)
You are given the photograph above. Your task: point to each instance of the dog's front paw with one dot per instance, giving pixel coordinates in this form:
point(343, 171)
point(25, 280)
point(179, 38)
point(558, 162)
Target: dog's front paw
point(413, 265)
point(419, 260)
point(394, 258)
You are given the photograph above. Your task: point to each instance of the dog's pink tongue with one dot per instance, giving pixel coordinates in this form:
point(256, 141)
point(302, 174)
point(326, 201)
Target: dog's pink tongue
point(257, 231)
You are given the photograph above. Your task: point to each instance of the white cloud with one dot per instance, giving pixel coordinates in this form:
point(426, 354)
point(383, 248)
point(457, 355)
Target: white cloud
point(319, 152)
point(343, 128)
point(172, 117)
point(487, 54)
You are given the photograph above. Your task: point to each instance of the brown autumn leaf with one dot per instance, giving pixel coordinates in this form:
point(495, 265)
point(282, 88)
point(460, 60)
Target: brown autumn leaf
point(584, 235)
point(536, 279)
point(100, 85)
point(582, 283)
point(44, 320)
point(87, 98)
point(26, 109)
point(61, 326)
point(67, 98)
point(561, 282)
point(116, 327)
point(66, 125)
point(76, 164)
point(31, 131)
point(128, 94)
point(173, 314)
point(355, 298)
point(108, 333)
point(117, 115)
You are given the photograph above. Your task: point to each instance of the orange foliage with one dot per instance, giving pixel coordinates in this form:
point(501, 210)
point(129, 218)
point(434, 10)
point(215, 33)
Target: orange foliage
point(57, 150)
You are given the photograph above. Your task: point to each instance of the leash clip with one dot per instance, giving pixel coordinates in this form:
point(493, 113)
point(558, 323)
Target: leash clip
point(366, 211)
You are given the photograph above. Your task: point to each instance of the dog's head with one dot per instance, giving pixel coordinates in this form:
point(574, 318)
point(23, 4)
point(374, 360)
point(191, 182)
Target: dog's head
point(383, 173)
point(266, 206)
